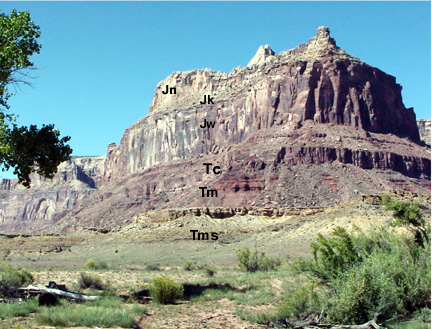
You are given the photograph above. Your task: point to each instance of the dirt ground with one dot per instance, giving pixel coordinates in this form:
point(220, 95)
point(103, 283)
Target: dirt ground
point(169, 244)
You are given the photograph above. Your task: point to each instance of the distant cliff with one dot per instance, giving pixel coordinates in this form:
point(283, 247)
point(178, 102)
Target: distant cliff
point(75, 179)
point(311, 126)
point(424, 127)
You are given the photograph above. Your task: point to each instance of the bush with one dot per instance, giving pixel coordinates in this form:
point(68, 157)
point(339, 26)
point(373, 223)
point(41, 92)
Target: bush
point(252, 262)
point(360, 293)
point(11, 279)
point(189, 266)
point(210, 270)
point(91, 264)
point(423, 315)
point(153, 267)
point(304, 301)
point(87, 280)
point(408, 214)
point(165, 290)
point(331, 256)
point(102, 265)
point(364, 274)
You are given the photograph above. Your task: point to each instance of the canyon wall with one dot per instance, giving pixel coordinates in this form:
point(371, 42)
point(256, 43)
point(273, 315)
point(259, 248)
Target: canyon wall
point(311, 126)
point(48, 198)
point(317, 81)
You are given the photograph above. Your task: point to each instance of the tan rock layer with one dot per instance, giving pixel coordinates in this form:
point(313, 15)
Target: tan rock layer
point(288, 88)
point(311, 126)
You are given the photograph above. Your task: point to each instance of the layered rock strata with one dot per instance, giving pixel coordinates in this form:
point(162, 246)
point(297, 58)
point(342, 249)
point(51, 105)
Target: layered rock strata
point(49, 198)
point(317, 81)
point(424, 127)
point(309, 127)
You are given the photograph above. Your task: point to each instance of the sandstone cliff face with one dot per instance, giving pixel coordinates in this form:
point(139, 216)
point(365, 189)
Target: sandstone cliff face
point(48, 198)
point(317, 81)
point(424, 127)
point(311, 126)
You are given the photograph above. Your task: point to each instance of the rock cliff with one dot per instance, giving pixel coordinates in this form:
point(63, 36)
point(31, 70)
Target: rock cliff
point(317, 81)
point(424, 127)
point(311, 126)
point(22, 208)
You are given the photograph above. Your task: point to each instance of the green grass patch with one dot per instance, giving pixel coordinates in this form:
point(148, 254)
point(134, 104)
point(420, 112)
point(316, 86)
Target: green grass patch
point(409, 325)
point(12, 310)
point(256, 317)
point(85, 316)
point(106, 312)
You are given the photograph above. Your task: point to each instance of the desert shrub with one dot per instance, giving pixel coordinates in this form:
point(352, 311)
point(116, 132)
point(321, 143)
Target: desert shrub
point(165, 290)
point(189, 266)
point(304, 301)
point(255, 261)
point(408, 214)
point(210, 270)
point(362, 274)
point(359, 293)
point(331, 256)
point(102, 265)
point(153, 267)
point(423, 315)
point(87, 280)
point(91, 264)
point(11, 279)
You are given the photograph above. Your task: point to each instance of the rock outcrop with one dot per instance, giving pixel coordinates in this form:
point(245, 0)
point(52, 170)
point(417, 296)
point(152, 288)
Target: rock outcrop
point(22, 208)
point(317, 81)
point(311, 126)
point(424, 127)
point(261, 55)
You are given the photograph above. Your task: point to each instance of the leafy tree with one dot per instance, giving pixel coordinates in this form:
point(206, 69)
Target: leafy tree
point(26, 149)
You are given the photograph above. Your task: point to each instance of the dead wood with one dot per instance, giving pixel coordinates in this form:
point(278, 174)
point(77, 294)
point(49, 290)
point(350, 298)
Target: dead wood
point(372, 324)
point(66, 294)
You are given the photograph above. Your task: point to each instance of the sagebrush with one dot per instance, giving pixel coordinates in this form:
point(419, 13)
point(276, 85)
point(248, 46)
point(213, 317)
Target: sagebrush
point(256, 261)
point(165, 290)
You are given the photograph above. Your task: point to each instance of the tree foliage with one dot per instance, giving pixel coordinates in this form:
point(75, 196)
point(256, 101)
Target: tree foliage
point(18, 41)
point(361, 273)
point(26, 149)
point(408, 214)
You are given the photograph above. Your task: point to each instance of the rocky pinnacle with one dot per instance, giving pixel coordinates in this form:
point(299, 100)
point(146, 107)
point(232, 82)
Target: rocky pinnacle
point(309, 126)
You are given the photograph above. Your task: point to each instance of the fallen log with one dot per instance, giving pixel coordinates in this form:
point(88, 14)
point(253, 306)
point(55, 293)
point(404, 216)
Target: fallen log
point(66, 294)
point(372, 324)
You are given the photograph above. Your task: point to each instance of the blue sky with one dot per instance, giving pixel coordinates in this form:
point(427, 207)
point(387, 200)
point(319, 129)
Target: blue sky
point(100, 61)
